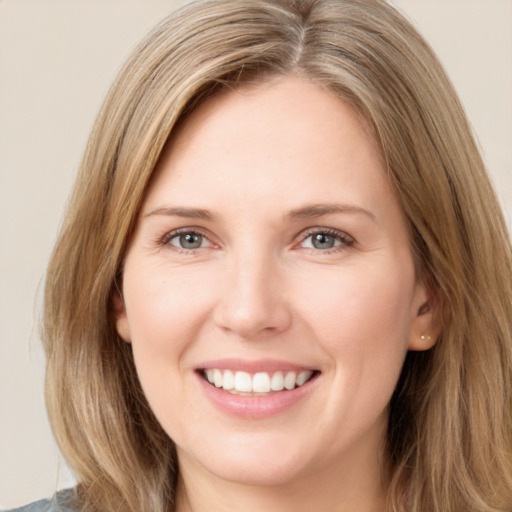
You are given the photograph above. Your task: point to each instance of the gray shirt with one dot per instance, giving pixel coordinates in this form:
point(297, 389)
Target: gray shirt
point(61, 502)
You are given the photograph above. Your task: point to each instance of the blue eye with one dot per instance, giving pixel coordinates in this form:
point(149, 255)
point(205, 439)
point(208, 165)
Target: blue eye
point(323, 241)
point(326, 239)
point(189, 240)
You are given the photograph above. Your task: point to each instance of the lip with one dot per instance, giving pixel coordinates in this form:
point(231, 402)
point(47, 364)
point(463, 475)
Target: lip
point(254, 407)
point(261, 365)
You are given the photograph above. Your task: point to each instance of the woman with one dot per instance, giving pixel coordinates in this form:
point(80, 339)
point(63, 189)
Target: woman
point(283, 281)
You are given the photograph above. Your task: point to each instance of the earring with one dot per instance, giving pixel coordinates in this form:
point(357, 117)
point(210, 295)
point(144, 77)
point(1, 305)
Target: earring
point(423, 337)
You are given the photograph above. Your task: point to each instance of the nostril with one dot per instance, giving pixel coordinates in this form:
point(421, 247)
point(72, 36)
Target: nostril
point(252, 319)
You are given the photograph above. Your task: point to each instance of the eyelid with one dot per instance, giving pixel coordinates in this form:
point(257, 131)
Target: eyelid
point(345, 239)
point(169, 235)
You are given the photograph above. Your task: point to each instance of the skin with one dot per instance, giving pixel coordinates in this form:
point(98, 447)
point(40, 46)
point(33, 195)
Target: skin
point(258, 288)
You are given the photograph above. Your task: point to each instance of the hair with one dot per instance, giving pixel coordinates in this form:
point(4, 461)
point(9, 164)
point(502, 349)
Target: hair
point(449, 443)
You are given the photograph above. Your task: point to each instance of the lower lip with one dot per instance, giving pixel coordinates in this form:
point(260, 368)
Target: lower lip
point(254, 407)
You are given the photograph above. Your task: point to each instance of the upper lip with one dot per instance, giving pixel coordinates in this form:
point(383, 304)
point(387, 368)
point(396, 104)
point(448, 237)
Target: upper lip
point(254, 366)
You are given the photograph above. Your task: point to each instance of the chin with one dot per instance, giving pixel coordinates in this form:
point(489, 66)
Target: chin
point(260, 464)
point(271, 473)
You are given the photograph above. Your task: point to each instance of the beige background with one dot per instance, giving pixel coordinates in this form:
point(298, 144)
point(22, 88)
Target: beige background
point(57, 58)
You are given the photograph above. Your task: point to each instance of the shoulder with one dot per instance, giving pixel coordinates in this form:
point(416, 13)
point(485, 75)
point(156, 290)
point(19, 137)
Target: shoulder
point(61, 502)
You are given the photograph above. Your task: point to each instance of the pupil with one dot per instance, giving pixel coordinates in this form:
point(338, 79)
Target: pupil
point(323, 241)
point(191, 240)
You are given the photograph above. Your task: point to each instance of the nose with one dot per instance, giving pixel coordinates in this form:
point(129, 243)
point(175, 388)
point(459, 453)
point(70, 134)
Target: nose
point(253, 303)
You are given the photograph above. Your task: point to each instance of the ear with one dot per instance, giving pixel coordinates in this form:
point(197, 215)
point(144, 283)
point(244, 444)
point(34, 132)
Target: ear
point(122, 326)
point(426, 317)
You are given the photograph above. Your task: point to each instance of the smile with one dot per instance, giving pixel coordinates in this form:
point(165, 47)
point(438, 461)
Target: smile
point(254, 390)
point(257, 384)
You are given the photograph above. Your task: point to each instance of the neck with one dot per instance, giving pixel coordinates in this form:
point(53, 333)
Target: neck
point(330, 490)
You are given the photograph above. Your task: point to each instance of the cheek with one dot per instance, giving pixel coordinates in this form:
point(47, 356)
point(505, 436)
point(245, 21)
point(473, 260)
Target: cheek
point(361, 317)
point(165, 316)
point(359, 300)
point(164, 308)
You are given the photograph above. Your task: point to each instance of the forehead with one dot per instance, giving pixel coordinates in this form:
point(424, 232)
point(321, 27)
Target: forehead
point(288, 140)
point(308, 108)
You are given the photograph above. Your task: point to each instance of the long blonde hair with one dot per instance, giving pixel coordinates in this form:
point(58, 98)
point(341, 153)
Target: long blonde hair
point(450, 431)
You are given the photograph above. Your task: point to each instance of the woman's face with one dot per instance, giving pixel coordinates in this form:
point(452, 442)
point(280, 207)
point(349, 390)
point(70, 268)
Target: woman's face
point(272, 259)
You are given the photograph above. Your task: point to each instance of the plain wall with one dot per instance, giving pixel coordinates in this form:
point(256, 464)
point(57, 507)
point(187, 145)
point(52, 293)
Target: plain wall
point(57, 59)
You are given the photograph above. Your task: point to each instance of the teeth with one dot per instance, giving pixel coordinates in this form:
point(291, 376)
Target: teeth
point(229, 380)
point(303, 377)
point(261, 382)
point(289, 380)
point(243, 382)
point(217, 378)
point(277, 382)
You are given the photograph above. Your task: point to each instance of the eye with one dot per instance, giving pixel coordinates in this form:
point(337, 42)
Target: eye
point(323, 241)
point(326, 239)
point(187, 240)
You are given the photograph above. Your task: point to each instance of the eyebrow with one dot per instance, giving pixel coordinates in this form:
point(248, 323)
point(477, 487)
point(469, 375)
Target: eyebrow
point(189, 213)
point(306, 212)
point(321, 209)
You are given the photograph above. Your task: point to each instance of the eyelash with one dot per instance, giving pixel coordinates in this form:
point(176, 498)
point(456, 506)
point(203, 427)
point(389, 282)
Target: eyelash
point(166, 239)
point(344, 239)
